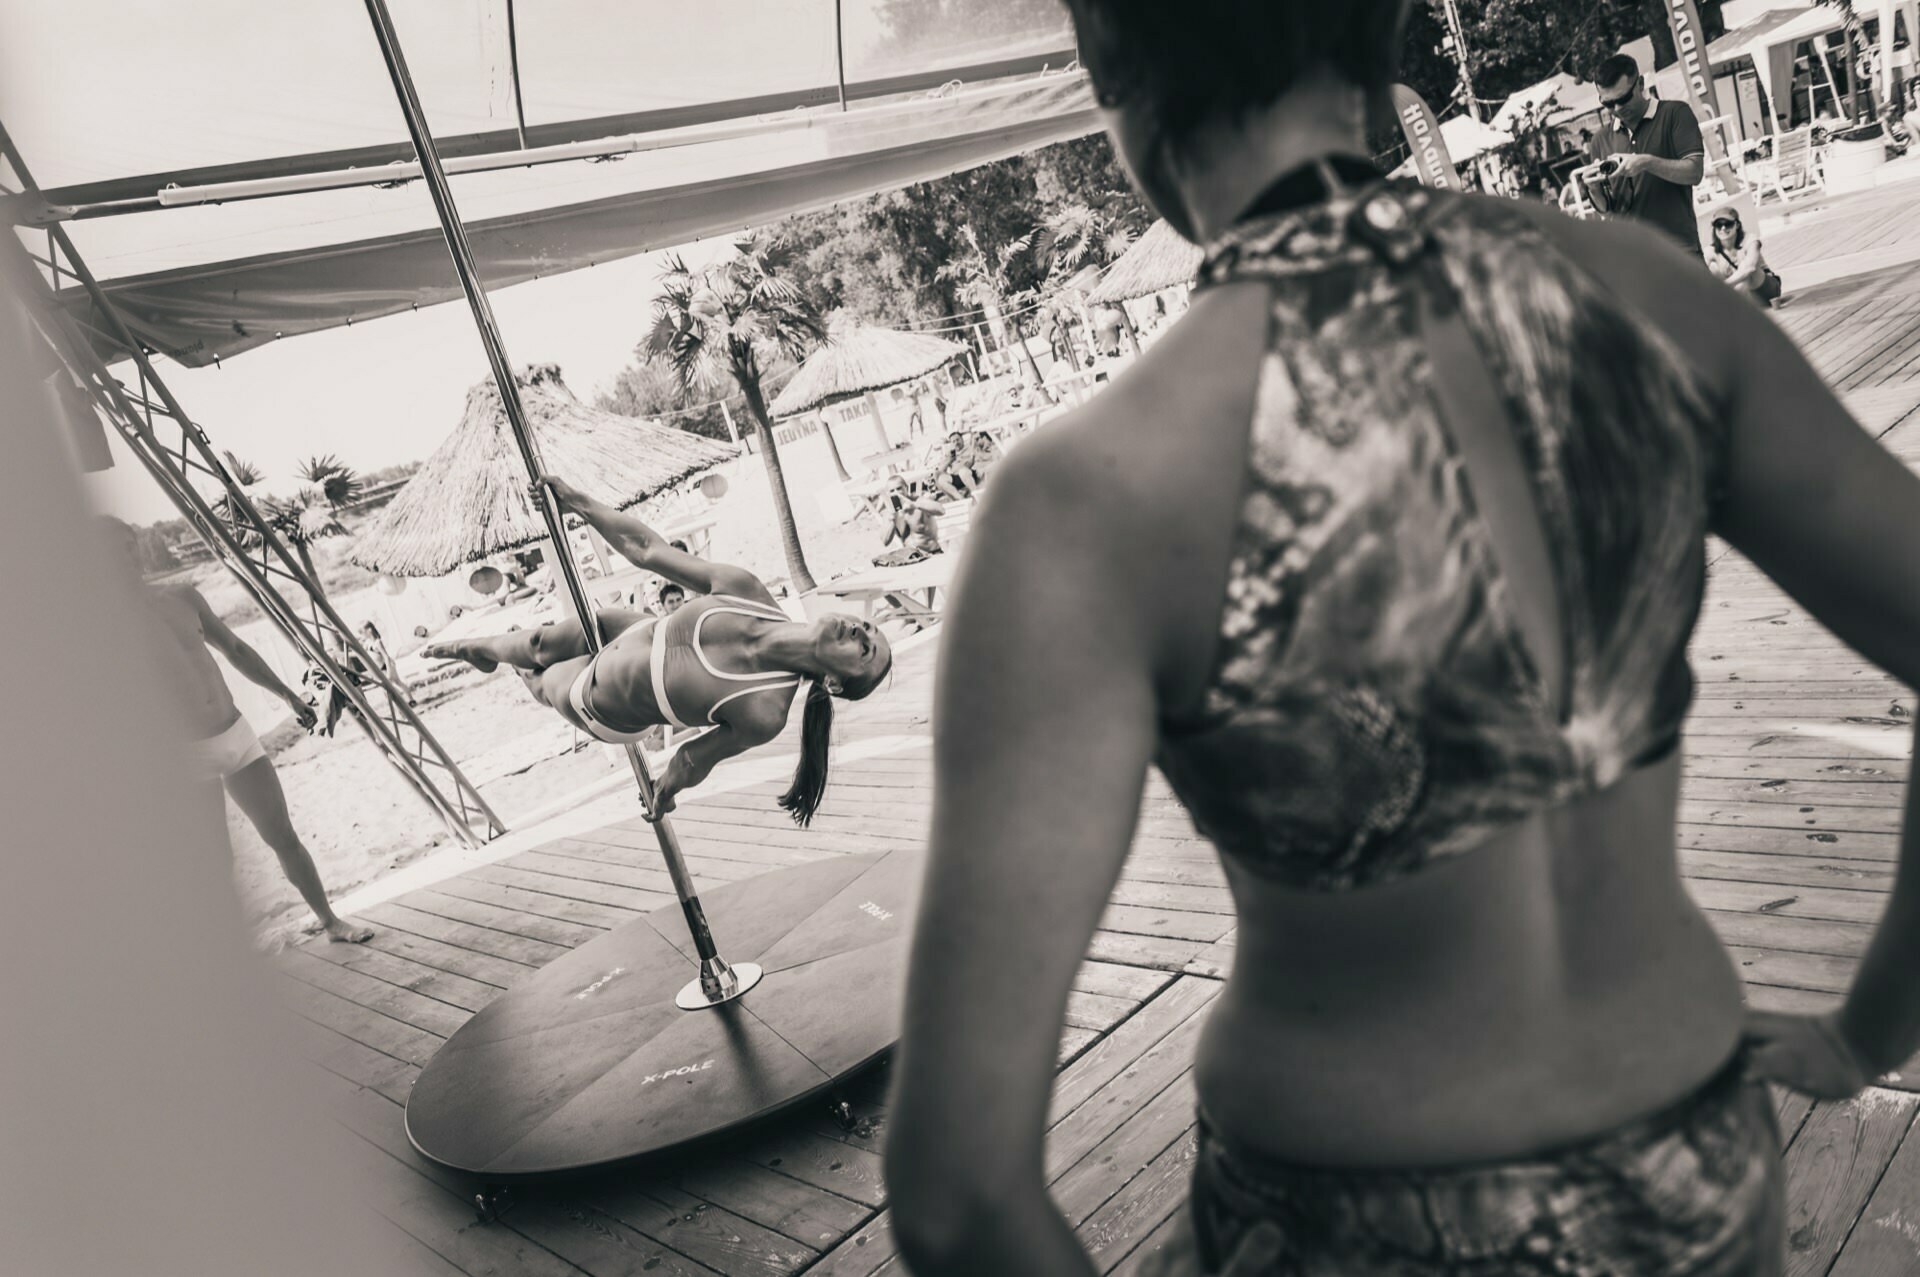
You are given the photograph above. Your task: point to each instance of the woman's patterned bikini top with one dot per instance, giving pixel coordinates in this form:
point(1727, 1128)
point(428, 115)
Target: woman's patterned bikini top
point(1373, 707)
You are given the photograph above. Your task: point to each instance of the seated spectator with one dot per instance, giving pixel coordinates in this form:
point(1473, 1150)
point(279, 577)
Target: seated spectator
point(1735, 257)
point(916, 525)
point(980, 454)
point(953, 478)
point(672, 596)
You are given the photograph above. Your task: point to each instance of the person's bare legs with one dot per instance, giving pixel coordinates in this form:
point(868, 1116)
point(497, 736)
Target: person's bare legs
point(535, 648)
point(256, 791)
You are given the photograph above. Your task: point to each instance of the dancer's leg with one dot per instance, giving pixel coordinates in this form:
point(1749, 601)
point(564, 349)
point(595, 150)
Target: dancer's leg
point(535, 648)
point(256, 791)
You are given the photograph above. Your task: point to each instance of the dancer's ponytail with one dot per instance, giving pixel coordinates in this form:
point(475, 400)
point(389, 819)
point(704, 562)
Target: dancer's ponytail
point(802, 798)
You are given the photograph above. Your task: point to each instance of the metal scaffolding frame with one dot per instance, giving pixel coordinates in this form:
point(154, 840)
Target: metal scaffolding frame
point(178, 453)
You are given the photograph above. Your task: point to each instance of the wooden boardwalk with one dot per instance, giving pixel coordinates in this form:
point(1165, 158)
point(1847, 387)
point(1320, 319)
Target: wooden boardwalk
point(1795, 756)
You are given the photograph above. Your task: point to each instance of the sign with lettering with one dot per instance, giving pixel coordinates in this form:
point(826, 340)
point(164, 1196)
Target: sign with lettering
point(1690, 43)
point(1430, 156)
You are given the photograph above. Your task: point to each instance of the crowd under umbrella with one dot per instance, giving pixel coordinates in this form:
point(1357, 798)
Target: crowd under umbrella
point(857, 362)
point(469, 501)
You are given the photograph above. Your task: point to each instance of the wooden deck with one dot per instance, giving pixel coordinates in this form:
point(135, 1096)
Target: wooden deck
point(1795, 756)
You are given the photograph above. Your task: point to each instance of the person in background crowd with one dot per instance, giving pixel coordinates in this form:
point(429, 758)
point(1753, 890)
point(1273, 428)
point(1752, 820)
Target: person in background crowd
point(1735, 257)
point(383, 659)
point(222, 748)
point(1657, 152)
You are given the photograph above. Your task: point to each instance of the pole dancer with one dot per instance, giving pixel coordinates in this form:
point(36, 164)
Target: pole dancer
point(718, 982)
point(705, 666)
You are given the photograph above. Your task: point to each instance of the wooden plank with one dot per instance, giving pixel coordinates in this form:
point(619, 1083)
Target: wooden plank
point(498, 944)
point(1138, 1211)
point(512, 922)
point(412, 1008)
point(1163, 953)
point(642, 877)
point(1833, 1166)
point(1150, 1129)
point(1867, 876)
point(471, 963)
point(449, 987)
point(705, 1233)
point(788, 1206)
point(351, 1062)
point(369, 1028)
point(572, 888)
point(816, 1159)
point(1886, 1240)
point(535, 904)
point(1169, 923)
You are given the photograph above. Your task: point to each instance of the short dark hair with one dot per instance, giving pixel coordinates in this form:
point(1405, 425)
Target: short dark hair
point(1201, 61)
point(1620, 66)
point(674, 588)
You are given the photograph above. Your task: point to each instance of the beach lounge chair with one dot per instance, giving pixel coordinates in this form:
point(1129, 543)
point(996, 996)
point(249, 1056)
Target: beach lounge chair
point(1795, 169)
point(913, 593)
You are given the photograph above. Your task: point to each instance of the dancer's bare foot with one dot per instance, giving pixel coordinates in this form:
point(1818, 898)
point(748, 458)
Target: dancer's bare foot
point(458, 651)
point(340, 931)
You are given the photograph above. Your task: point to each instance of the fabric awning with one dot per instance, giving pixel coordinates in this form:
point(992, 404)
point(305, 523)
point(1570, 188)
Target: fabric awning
point(208, 90)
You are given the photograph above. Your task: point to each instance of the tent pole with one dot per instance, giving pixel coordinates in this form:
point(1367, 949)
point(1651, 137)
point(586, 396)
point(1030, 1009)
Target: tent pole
point(840, 53)
point(513, 64)
point(718, 982)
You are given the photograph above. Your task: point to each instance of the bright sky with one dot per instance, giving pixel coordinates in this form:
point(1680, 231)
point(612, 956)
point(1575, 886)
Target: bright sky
point(390, 390)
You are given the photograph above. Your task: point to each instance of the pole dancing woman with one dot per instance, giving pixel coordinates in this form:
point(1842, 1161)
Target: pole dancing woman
point(1388, 556)
point(729, 659)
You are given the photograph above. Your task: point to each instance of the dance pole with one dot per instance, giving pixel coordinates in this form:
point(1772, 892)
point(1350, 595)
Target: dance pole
point(718, 982)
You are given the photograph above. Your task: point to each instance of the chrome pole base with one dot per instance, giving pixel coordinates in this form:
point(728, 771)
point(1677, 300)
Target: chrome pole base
point(718, 983)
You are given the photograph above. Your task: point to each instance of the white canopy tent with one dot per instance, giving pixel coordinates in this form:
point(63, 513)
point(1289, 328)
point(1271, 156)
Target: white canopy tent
point(722, 116)
point(1467, 139)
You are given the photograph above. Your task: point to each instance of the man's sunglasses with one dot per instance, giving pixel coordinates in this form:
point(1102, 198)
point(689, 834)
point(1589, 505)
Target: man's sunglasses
point(1614, 104)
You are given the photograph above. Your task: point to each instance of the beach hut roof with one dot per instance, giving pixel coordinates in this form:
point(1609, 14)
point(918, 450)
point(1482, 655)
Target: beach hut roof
point(469, 500)
point(855, 360)
point(1158, 259)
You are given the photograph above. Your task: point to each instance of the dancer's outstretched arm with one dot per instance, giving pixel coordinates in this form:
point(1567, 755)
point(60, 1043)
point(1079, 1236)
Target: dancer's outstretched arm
point(644, 547)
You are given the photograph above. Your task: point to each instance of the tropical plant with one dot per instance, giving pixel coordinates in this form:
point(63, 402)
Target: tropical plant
point(724, 323)
point(336, 484)
point(986, 281)
point(1077, 235)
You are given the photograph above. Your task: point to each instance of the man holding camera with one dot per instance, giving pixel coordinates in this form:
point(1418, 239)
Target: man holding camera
point(1654, 153)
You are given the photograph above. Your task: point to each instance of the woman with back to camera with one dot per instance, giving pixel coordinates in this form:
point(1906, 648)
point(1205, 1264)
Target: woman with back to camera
point(1388, 555)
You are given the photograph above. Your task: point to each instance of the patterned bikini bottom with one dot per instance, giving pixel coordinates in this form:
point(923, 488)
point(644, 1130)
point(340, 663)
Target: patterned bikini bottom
point(1696, 1189)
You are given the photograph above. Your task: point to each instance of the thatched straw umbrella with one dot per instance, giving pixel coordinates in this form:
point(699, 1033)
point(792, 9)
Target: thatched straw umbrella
point(469, 500)
point(1158, 259)
point(855, 362)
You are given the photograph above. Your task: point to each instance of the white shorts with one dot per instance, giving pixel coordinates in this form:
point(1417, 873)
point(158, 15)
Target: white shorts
point(218, 757)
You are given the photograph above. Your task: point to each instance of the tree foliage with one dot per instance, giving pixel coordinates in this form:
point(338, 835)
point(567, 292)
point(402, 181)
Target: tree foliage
point(722, 325)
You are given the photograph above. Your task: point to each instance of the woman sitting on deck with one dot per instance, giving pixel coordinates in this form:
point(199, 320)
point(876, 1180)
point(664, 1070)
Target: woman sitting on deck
point(729, 659)
point(1388, 556)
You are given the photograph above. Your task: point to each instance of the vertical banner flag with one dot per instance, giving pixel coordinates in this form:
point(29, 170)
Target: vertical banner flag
point(1430, 157)
point(1690, 43)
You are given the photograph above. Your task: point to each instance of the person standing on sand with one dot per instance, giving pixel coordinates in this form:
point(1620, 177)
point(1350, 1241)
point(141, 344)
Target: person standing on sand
point(222, 746)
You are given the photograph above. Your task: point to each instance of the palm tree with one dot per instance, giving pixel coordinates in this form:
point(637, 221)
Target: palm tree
point(1076, 235)
point(337, 485)
point(245, 475)
point(727, 320)
point(986, 281)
